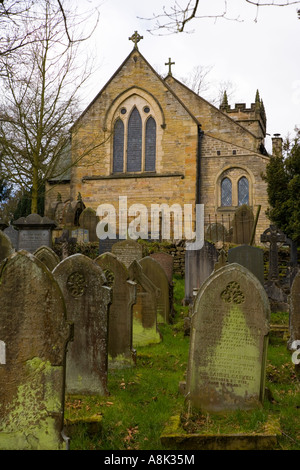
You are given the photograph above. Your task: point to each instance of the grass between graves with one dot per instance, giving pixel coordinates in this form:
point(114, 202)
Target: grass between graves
point(143, 399)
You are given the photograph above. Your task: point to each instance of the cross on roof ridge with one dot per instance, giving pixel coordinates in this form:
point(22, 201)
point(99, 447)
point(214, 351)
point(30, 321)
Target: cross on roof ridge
point(136, 37)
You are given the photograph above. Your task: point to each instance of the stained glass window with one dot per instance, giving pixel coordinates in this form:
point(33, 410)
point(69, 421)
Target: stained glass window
point(226, 192)
point(118, 147)
point(150, 145)
point(134, 142)
point(243, 191)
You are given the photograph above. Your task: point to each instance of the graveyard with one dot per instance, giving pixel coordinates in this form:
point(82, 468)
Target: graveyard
point(121, 349)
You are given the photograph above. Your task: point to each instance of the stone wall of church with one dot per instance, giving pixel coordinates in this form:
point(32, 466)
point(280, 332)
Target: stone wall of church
point(220, 159)
point(174, 181)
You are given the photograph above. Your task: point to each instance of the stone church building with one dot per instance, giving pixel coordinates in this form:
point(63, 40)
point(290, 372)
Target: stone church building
point(156, 141)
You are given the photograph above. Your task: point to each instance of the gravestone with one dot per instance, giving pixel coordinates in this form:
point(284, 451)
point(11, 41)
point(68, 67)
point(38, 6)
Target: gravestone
point(105, 246)
point(242, 225)
point(145, 309)
point(87, 299)
point(127, 251)
point(13, 235)
point(167, 262)
point(34, 231)
point(229, 328)
point(47, 256)
point(120, 351)
point(250, 257)
point(294, 312)
point(6, 248)
point(273, 236)
point(199, 264)
point(88, 220)
point(34, 334)
point(153, 270)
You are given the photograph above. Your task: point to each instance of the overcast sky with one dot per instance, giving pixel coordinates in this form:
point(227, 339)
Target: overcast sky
point(251, 55)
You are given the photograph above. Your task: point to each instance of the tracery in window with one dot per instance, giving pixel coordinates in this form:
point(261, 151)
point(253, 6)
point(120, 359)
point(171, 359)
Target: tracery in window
point(243, 191)
point(226, 192)
point(118, 146)
point(150, 145)
point(134, 142)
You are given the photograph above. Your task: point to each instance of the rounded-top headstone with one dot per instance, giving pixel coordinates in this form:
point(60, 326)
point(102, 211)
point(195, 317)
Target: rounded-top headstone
point(229, 328)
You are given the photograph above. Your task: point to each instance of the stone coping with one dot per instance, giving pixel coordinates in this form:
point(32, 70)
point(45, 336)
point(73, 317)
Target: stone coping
point(174, 437)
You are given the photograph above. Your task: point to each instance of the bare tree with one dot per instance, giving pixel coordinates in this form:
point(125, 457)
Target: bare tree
point(39, 100)
point(197, 79)
point(176, 18)
point(14, 12)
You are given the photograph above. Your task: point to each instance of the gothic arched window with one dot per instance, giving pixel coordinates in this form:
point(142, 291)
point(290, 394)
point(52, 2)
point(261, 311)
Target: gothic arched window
point(134, 142)
point(243, 191)
point(118, 147)
point(226, 192)
point(150, 145)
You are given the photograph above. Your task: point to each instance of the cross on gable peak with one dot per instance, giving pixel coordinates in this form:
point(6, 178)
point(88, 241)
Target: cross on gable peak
point(170, 63)
point(135, 38)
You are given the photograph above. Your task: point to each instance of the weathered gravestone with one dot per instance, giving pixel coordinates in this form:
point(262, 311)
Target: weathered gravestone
point(13, 235)
point(34, 334)
point(250, 257)
point(242, 225)
point(294, 317)
point(127, 251)
point(47, 256)
point(120, 351)
point(34, 231)
point(88, 220)
point(229, 328)
point(6, 247)
point(199, 264)
point(153, 270)
point(167, 262)
point(87, 301)
point(145, 309)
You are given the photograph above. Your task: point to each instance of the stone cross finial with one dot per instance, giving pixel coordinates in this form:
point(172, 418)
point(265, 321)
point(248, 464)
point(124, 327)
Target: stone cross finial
point(170, 66)
point(136, 37)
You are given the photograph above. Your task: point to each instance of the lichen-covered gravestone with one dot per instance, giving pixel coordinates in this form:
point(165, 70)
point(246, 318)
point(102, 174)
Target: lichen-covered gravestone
point(6, 247)
point(229, 333)
point(87, 299)
point(34, 334)
point(294, 320)
point(153, 270)
point(120, 351)
point(47, 256)
point(145, 309)
point(127, 251)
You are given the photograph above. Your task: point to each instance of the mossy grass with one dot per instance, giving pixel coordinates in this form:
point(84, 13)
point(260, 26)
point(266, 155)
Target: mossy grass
point(143, 399)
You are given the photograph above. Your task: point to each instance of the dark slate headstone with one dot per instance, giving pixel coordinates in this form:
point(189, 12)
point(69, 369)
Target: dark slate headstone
point(34, 231)
point(120, 351)
point(6, 247)
point(250, 257)
point(34, 335)
point(154, 271)
point(47, 256)
point(294, 313)
point(127, 251)
point(87, 300)
point(88, 220)
point(228, 347)
point(199, 264)
point(13, 235)
point(145, 309)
